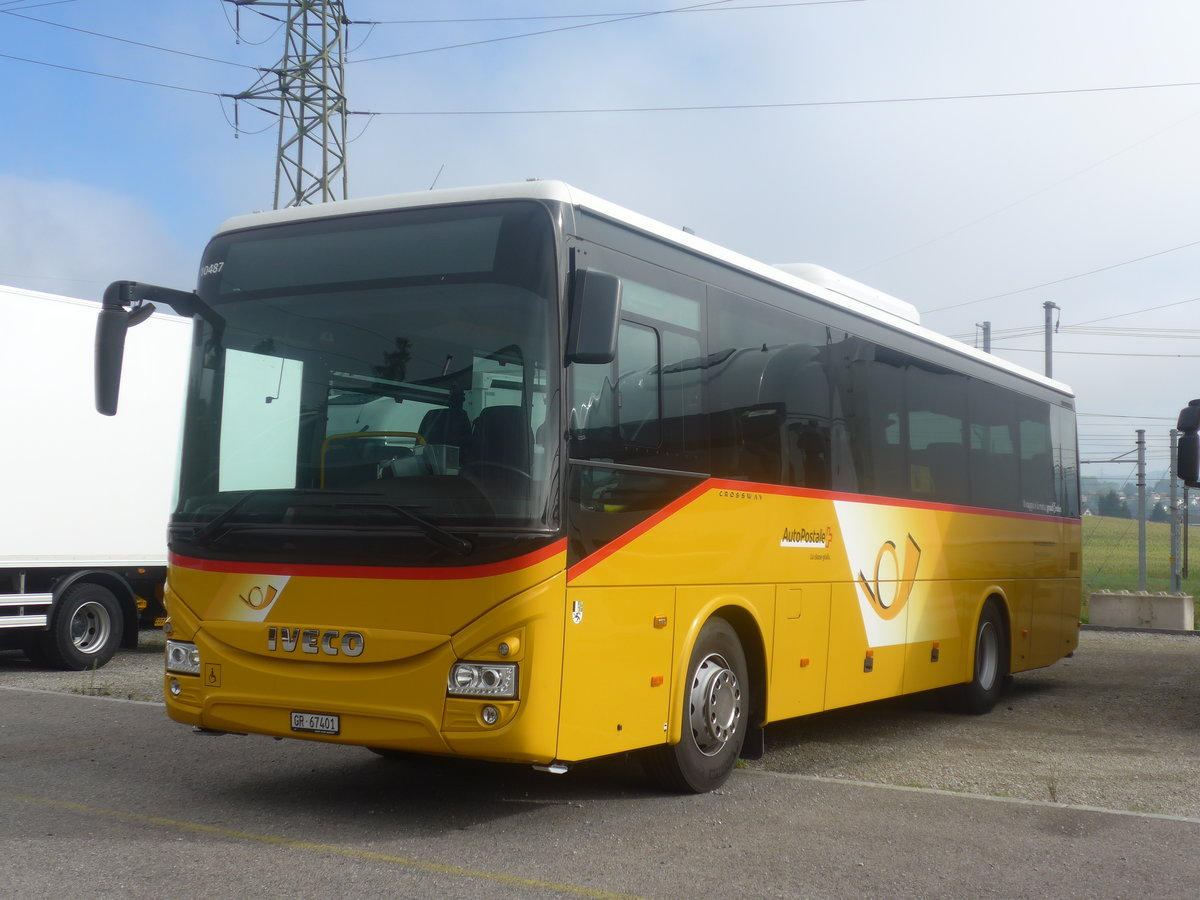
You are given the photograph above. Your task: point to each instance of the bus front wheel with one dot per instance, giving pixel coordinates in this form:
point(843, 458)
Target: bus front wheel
point(716, 709)
point(981, 693)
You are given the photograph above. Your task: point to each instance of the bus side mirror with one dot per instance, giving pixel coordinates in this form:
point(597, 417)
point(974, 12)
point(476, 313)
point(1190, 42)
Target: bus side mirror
point(595, 312)
point(1187, 464)
point(115, 321)
point(111, 328)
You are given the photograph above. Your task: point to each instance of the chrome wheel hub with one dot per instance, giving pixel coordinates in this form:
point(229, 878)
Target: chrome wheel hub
point(714, 704)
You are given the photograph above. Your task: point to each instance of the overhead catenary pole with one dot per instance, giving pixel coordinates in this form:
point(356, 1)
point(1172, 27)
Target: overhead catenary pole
point(1049, 306)
point(309, 84)
point(1185, 517)
point(1176, 515)
point(987, 336)
point(1141, 511)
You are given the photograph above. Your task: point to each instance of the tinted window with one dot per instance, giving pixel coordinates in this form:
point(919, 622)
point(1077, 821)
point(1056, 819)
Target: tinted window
point(937, 463)
point(1038, 490)
point(766, 378)
point(992, 446)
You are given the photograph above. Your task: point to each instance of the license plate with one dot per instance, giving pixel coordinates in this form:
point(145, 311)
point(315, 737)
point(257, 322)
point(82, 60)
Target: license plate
point(315, 723)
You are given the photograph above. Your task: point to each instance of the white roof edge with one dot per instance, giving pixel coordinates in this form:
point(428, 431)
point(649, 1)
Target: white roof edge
point(855, 290)
point(83, 301)
point(894, 317)
point(532, 190)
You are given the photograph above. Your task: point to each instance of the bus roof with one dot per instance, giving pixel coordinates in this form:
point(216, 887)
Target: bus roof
point(815, 281)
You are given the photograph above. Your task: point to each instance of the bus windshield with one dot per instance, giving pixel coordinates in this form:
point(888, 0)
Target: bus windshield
point(380, 374)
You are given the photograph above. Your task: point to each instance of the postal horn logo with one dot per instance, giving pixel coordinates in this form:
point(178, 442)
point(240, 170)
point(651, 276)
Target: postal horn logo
point(892, 585)
point(257, 598)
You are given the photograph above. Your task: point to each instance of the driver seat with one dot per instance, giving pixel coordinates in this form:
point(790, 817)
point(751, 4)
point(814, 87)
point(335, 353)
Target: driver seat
point(501, 438)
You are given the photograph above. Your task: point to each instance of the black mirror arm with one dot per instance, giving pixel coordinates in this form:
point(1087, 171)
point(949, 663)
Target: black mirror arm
point(142, 298)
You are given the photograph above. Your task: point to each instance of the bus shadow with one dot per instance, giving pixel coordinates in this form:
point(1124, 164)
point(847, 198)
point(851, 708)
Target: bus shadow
point(420, 795)
point(897, 720)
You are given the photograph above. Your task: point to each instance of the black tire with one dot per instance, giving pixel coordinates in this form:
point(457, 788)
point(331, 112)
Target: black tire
point(990, 670)
point(716, 714)
point(85, 631)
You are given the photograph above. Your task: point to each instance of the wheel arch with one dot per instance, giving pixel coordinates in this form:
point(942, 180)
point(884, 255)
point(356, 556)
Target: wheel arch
point(995, 595)
point(749, 633)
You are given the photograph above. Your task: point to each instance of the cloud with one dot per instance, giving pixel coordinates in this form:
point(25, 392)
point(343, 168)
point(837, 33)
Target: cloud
point(67, 238)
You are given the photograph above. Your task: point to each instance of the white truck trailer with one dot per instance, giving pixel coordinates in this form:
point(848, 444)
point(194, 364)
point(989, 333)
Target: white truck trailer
point(85, 497)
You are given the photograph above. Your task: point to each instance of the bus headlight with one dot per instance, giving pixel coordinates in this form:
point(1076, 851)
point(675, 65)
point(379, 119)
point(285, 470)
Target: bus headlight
point(183, 658)
point(482, 680)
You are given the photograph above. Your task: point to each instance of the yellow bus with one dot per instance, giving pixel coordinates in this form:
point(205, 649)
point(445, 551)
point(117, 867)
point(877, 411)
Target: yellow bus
point(513, 473)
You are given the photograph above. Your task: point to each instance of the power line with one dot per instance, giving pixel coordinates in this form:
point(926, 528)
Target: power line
point(159, 84)
point(1139, 311)
point(566, 16)
point(1046, 284)
point(999, 334)
point(1025, 198)
point(513, 37)
point(1182, 334)
point(1058, 352)
point(39, 5)
point(1082, 415)
point(801, 104)
point(112, 37)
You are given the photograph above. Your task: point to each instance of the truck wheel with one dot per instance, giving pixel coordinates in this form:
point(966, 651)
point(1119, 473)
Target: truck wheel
point(980, 694)
point(86, 629)
point(716, 707)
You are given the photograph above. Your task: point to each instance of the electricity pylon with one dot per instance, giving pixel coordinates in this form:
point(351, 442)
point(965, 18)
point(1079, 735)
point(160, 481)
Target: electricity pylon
point(309, 84)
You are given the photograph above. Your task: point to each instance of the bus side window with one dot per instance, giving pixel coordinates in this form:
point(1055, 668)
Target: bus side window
point(873, 393)
point(994, 480)
point(936, 400)
point(808, 432)
point(638, 403)
point(593, 404)
point(1062, 431)
point(1037, 459)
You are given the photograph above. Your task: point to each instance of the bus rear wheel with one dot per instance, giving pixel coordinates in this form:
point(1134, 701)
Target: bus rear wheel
point(982, 692)
point(716, 708)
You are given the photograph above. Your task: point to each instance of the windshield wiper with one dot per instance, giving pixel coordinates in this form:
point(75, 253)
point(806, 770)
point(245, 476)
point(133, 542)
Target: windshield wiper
point(208, 531)
point(457, 544)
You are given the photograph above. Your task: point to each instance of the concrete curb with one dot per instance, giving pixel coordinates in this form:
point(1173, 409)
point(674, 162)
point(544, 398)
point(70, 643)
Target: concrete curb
point(1133, 630)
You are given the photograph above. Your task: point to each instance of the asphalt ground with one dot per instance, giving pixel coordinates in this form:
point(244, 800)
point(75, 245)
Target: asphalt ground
point(1117, 726)
point(1084, 782)
point(103, 798)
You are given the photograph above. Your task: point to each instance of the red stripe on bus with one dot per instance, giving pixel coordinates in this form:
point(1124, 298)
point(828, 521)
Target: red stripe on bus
point(898, 501)
point(425, 573)
point(642, 527)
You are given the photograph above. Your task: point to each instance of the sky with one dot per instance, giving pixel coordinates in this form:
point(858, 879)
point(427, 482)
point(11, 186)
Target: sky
point(976, 158)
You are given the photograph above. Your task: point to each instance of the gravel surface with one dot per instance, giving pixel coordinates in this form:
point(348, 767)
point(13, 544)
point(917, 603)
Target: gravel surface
point(1117, 726)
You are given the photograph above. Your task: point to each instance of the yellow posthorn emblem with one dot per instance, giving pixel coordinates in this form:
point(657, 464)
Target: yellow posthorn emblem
point(888, 595)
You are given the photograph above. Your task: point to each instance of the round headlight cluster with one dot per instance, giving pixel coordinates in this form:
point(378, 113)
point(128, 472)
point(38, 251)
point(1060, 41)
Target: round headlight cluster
point(183, 657)
point(483, 680)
